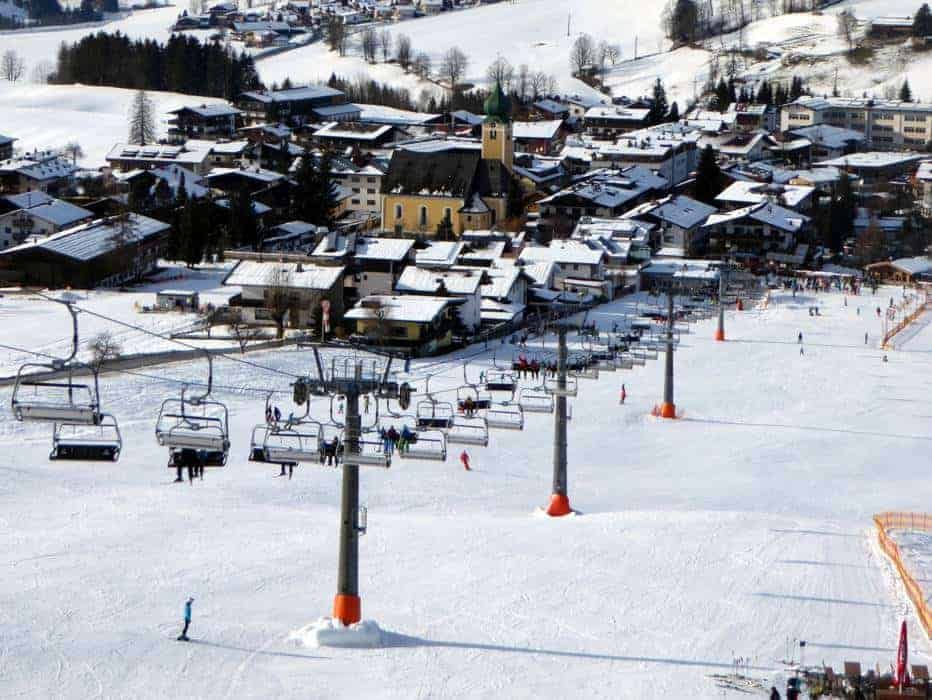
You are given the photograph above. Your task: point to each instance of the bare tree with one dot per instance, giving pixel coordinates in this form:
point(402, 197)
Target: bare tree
point(847, 24)
point(336, 35)
point(453, 66)
point(278, 299)
point(369, 43)
point(539, 83)
point(385, 43)
point(103, 347)
point(41, 71)
point(243, 332)
point(12, 66)
point(142, 119)
point(523, 82)
point(403, 51)
point(582, 54)
point(74, 150)
point(421, 66)
point(500, 71)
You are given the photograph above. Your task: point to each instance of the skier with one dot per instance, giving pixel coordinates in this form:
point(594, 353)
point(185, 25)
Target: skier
point(774, 693)
point(393, 437)
point(800, 338)
point(407, 437)
point(884, 358)
point(801, 352)
point(278, 414)
point(365, 403)
point(268, 415)
point(464, 458)
point(183, 637)
point(865, 338)
point(624, 394)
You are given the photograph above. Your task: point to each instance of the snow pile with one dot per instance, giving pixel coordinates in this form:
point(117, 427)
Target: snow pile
point(329, 632)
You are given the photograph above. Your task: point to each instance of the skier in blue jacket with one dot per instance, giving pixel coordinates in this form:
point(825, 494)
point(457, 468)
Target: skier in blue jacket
point(183, 637)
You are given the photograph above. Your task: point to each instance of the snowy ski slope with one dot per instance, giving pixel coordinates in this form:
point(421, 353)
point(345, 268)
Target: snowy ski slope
point(719, 535)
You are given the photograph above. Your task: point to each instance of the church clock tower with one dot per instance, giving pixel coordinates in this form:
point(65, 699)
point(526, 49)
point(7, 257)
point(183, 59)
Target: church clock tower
point(497, 136)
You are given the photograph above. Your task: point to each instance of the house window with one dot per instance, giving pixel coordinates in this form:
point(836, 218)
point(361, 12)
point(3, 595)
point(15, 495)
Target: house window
point(422, 217)
point(398, 211)
point(493, 134)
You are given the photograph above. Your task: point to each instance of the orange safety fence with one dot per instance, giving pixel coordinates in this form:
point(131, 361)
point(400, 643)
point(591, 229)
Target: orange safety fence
point(904, 322)
point(906, 521)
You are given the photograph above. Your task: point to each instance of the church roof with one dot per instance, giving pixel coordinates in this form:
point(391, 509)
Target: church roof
point(497, 105)
point(454, 172)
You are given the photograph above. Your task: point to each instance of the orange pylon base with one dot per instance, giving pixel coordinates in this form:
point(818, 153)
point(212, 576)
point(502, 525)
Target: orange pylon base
point(559, 506)
point(347, 609)
point(667, 410)
point(719, 335)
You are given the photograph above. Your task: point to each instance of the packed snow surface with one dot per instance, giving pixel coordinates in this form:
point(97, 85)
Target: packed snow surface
point(328, 632)
point(722, 534)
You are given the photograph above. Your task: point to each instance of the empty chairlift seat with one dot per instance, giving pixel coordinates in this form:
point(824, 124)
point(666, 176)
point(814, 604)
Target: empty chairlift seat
point(428, 445)
point(371, 453)
point(84, 443)
point(551, 386)
point(183, 425)
point(469, 431)
point(500, 381)
point(295, 444)
point(505, 417)
point(55, 402)
point(536, 401)
point(434, 415)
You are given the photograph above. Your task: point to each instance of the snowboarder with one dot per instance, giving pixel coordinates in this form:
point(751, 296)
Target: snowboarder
point(464, 458)
point(183, 637)
point(800, 338)
point(624, 394)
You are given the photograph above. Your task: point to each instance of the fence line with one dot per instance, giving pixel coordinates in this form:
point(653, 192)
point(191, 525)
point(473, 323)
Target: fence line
point(905, 521)
point(904, 323)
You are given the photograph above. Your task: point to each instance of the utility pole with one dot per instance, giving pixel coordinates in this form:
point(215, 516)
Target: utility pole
point(668, 407)
point(720, 331)
point(559, 501)
point(569, 16)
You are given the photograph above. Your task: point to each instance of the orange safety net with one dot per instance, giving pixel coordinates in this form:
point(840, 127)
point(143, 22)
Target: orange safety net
point(906, 521)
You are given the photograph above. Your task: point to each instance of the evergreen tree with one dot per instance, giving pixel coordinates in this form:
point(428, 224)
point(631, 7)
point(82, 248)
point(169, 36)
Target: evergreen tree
point(765, 94)
point(192, 236)
point(906, 94)
point(660, 106)
point(110, 6)
point(243, 225)
point(842, 212)
point(445, 230)
point(514, 204)
point(732, 93)
point(674, 115)
point(314, 197)
point(142, 120)
point(708, 177)
point(922, 22)
point(780, 96)
point(722, 95)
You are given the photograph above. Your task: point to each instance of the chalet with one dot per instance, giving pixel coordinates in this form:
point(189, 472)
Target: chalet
point(37, 217)
point(421, 325)
point(48, 171)
point(830, 141)
point(161, 186)
point(741, 147)
point(550, 109)
point(741, 194)
point(288, 290)
point(679, 220)
point(293, 106)
point(579, 266)
point(542, 138)
point(890, 27)
point(341, 135)
point(212, 122)
point(578, 105)
point(6, 147)
point(604, 193)
point(193, 155)
point(292, 236)
point(251, 180)
point(903, 270)
point(876, 168)
point(461, 181)
point(540, 173)
point(756, 230)
point(753, 117)
point(105, 252)
point(610, 121)
point(505, 293)
point(373, 265)
point(461, 284)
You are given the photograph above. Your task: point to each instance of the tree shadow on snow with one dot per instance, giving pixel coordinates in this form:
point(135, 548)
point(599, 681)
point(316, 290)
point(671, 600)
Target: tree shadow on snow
point(393, 639)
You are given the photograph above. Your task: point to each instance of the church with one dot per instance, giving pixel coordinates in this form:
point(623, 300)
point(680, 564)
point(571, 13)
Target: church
point(462, 180)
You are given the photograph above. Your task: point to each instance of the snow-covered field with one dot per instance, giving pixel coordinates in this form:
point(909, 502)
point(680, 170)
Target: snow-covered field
point(42, 326)
point(722, 534)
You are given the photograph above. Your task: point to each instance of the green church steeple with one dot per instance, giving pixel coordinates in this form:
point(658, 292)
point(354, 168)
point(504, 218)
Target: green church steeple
point(497, 105)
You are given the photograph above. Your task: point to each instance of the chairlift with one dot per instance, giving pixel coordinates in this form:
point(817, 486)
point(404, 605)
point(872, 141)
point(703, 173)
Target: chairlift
point(369, 453)
point(467, 430)
point(500, 381)
point(481, 400)
point(195, 423)
point(82, 443)
point(427, 445)
point(506, 416)
point(536, 401)
point(551, 386)
point(434, 414)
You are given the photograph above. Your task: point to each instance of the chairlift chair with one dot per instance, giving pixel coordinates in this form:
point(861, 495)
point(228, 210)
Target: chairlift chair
point(55, 402)
point(551, 386)
point(370, 453)
point(481, 400)
point(298, 443)
point(434, 414)
point(536, 401)
point(99, 443)
point(469, 431)
point(500, 381)
point(427, 445)
point(507, 416)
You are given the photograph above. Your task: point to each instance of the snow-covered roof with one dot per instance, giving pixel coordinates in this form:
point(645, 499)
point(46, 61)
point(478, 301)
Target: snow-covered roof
point(439, 144)
point(612, 188)
point(551, 106)
point(830, 136)
point(39, 165)
point(537, 130)
point(288, 275)
point(680, 210)
point(26, 200)
point(501, 281)
point(357, 131)
point(331, 111)
point(873, 159)
point(467, 117)
point(4, 140)
point(764, 212)
point(565, 252)
point(439, 254)
point(541, 273)
point(310, 92)
point(823, 103)
point(218, 109)
point(91, 240)
point(363, 248)
point(58, 212)
point(193, 152)
point(258, 208)
point(493, 310)
point(379, 114)
point(753, 192)
point(254, 173)
point(405, 309)
point(415, 279)
point(914, 266)
point(614, 112)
